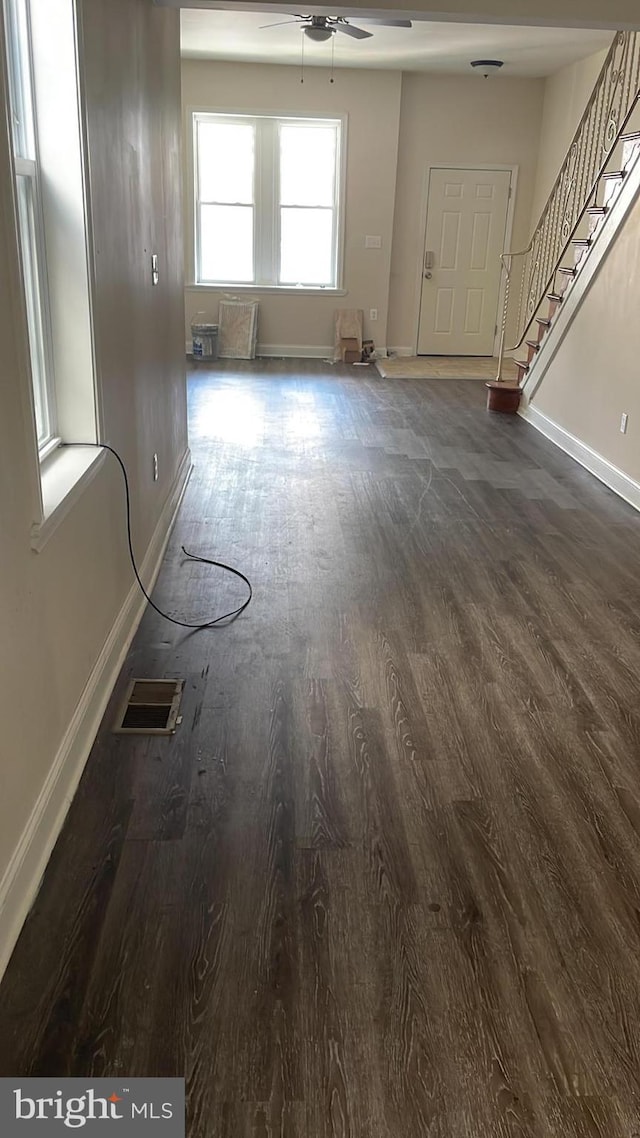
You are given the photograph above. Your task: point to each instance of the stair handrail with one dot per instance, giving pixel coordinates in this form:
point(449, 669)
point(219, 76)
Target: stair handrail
point(608, 110)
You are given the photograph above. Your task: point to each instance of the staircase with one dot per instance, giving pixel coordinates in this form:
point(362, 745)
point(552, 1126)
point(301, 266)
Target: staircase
point(601, 158)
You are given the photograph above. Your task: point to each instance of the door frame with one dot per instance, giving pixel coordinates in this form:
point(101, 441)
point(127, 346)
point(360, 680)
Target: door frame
point(424, 205)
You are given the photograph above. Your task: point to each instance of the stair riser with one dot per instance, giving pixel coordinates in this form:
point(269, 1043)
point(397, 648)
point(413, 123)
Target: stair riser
point(629, 150)
point(563, 280)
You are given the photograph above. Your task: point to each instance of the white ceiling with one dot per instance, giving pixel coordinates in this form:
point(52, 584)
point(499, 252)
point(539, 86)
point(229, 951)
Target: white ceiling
point(426, 46)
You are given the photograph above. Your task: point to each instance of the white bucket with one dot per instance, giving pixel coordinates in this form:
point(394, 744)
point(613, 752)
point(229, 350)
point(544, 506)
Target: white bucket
point(204, 341)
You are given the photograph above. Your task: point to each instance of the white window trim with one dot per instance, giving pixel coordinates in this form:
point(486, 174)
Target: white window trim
point(282, 290)
point(65, 475)
point(196, 113)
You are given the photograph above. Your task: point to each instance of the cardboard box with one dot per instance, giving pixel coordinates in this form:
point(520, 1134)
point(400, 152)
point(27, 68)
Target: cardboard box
point(349, 350)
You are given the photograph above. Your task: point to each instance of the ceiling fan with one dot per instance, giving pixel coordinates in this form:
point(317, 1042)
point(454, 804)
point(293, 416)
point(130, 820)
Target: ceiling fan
point(321, 28)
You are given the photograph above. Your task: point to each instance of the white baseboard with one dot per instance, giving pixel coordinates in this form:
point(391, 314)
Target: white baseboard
point(297, 351)
point(21, 881)
point(290, 351)
point(612, 477)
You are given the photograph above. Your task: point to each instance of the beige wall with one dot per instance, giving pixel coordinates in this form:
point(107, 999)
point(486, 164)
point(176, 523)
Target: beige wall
point(392, 118)
point(57, 607)
point(371, 100)
point(594, 376)
point(565, 97)
point(132, 90)
point(457, 121)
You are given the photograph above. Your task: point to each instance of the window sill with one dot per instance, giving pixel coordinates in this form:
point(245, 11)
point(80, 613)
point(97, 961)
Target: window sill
point(283, 290)
point(48, 449)
point(64, 475)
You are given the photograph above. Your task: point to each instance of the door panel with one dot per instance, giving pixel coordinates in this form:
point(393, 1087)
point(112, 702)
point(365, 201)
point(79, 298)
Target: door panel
point(450, 241)
point(474, 312)
point(466, 222)
point(444, 311)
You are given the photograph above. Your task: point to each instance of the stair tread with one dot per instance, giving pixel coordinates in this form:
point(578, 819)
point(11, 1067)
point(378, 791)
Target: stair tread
point(542, 320)
point(522, 364)
point(568, 270)
point(597, 210)
point(582, 242)
point(609, 175)
point(632, 136)
point(555, 296)
point(532, 344)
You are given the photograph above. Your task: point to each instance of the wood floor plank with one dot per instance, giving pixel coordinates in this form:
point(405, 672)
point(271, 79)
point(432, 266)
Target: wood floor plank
point(321, 818)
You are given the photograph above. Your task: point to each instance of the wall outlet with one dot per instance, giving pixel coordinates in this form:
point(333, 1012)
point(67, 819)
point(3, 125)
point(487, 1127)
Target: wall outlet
point(155, 468)
point(373, 313)
point(624, 419)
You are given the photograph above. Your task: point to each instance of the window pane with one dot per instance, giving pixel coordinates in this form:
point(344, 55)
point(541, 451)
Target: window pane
point(307, 165)
point(306, 246)
point(225, 162)
point(32, 297)
point(226, 243)
point(20, 80)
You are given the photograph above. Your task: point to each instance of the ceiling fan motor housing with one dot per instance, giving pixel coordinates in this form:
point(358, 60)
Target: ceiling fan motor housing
point(320, 29)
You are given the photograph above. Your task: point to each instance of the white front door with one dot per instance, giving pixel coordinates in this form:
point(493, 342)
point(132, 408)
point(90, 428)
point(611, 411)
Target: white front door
point(465, 233)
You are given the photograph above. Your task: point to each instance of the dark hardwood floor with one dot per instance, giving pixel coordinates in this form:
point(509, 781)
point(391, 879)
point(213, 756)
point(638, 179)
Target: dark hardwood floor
point(384, 882)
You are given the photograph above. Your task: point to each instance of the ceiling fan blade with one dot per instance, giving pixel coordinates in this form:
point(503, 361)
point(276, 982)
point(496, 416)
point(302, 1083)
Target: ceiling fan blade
point(355, 33)
point(391, 23)
point(279, 24)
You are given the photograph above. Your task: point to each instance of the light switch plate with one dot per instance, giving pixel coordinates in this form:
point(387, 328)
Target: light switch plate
point(372, 242)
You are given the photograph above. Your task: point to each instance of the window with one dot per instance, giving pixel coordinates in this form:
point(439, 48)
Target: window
point(267, 200)
point(51, 224)
point(30, 217)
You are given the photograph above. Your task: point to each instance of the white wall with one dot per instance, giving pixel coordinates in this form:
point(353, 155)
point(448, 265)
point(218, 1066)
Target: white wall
point(58, 607)
point(592, 378)
point(565, 98)
point(594, 375)
point(371, 100)
point(455, 121)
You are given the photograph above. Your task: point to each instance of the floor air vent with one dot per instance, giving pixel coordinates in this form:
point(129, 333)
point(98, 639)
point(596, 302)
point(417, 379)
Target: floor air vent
point(150, 708)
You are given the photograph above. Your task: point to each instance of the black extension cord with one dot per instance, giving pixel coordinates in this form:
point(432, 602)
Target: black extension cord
point(228, 616)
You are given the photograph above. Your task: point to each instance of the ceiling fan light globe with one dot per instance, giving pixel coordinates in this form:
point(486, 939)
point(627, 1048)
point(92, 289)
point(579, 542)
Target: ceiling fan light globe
point(319, 35)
